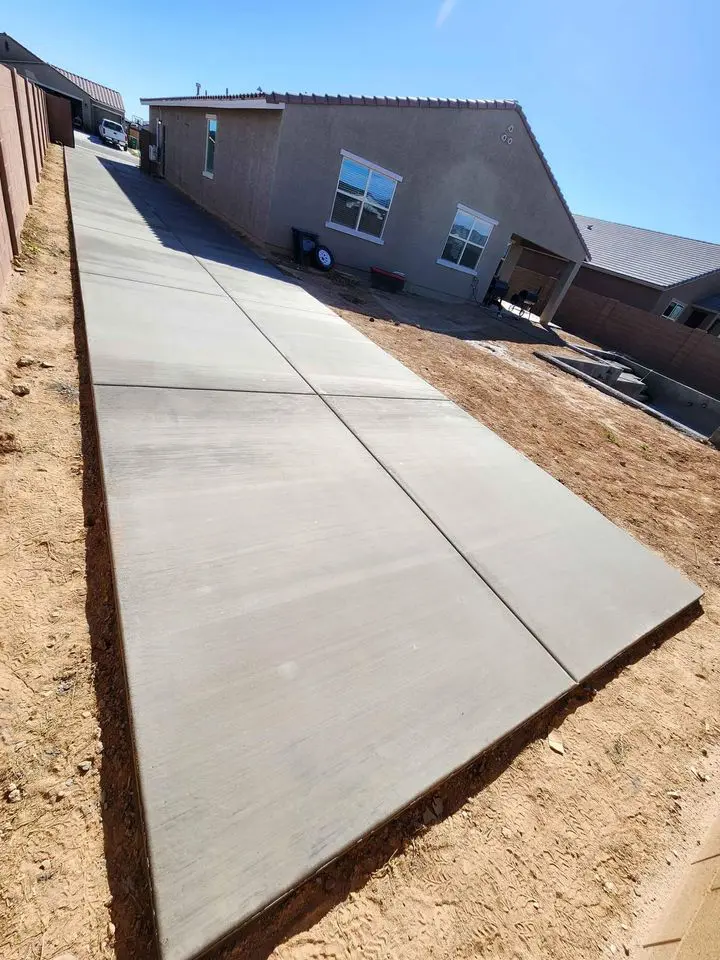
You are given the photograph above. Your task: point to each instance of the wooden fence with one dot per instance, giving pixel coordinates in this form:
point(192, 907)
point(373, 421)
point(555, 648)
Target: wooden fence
point(690, 356)
point(24, 140)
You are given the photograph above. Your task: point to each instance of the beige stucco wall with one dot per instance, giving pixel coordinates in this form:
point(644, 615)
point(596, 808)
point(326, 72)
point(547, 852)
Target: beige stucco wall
point(445, 156)
point(245, 152)
point(689, 293)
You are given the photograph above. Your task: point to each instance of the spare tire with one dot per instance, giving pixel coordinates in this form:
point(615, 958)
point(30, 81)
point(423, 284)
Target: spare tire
point(323, 258)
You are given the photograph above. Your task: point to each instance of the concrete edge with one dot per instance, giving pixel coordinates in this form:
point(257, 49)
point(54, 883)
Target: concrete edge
point(622, 397)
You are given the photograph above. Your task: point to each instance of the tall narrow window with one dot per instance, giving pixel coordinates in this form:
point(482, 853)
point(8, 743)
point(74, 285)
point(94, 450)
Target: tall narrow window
point(363, 197)
point(210, 138)
point(466, 241)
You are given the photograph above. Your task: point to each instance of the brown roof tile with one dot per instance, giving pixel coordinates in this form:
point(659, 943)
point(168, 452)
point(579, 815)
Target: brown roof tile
point(111, 98)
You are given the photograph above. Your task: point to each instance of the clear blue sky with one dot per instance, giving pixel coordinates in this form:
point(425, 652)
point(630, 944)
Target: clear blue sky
point(624, 95)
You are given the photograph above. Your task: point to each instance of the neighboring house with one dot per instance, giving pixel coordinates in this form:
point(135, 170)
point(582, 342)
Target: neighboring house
point(435, 189)
point(662, 274)
point(90, 101)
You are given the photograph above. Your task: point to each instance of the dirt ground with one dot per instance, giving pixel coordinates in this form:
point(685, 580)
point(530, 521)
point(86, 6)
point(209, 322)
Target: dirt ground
point(529, 854)
point(66, 776)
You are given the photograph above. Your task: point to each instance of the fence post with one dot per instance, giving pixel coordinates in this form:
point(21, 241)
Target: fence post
point(21, 131)
point(31, 124)
point(7, 200)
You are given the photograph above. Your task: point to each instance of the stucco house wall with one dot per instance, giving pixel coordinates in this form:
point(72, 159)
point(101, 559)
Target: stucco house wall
point(631, 292)
point(689, 293)
point(245, 155)
point(445, 156)
point(278, 168)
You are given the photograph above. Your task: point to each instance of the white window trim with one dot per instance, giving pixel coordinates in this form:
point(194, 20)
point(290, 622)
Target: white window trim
point(341, 228)
point(477, 216)
point(208, 173)
point(376, 168)
point(680, 304)
point(373, 166)
point(457, 266)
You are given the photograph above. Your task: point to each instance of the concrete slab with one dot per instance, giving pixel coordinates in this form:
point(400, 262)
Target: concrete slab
point(254, 287)
point(150, 338)
point(123, 220)
point(333, 356)
point(289, 691)
point(129, 258)
point(586, 588)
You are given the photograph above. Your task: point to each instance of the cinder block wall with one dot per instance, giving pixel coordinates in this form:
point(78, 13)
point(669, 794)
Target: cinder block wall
point(23, 144)
point(690, 356)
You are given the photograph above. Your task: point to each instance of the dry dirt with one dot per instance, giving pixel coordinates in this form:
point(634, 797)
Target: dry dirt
point(538, 854)
point(61, 695)
point(528, 854)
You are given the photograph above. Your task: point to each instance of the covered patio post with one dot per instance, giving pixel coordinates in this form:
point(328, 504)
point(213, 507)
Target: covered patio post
point(562, 285)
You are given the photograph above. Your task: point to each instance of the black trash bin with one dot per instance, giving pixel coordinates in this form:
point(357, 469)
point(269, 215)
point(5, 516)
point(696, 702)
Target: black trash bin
point(304, 242)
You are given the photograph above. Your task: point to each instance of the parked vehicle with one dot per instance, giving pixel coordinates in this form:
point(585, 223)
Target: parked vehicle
point(112, 133)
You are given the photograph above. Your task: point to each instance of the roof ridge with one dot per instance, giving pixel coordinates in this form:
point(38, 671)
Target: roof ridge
point(81, 77)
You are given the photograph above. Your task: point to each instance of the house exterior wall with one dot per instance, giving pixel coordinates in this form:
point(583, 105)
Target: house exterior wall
point(245, 155)
point(46, 76)
point(631, 292)
point(689, 293)
point(614, 289)
point(98, 113)
point(445, 156)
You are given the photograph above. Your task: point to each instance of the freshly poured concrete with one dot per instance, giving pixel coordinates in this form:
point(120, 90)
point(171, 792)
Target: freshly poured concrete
point(586, 588)
point(334, 357)
point(151, 339)
point(111, 255)
point(305, 652)
point(307, 649)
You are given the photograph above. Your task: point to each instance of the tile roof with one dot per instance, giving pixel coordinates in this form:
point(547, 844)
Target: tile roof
point(659, 259)
point(363, 101)
point(106, 95)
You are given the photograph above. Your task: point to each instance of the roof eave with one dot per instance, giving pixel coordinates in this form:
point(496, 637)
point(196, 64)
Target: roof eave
point(212, 104)
point(626, 276)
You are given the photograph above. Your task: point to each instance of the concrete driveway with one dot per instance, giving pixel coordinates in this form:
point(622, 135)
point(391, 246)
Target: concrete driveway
point(335, 587)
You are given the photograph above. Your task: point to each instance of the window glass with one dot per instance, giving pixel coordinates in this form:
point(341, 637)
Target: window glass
point(210, 145)
point(381, 189)
point(466, 240)
point(353, 178)
point(673, 310)
point(346, 210)
point(462, 226)
point(362, 198)
point(470, 256)
point(372, 219)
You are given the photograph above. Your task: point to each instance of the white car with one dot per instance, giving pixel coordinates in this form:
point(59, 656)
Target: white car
point(112, 133)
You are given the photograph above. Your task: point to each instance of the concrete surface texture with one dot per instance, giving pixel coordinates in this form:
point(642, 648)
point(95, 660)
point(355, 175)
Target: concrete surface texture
point(295, 691)
point(585, 588)
point(331, 596)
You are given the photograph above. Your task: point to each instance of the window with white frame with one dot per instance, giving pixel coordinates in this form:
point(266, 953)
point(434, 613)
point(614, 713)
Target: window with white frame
point(673, 310)
point(466, 241)
point(210, 140)
point(363, 197)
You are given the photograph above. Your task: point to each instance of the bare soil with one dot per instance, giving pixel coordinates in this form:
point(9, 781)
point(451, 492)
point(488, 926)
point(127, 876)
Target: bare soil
point(529, 854)
point(61, 685)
